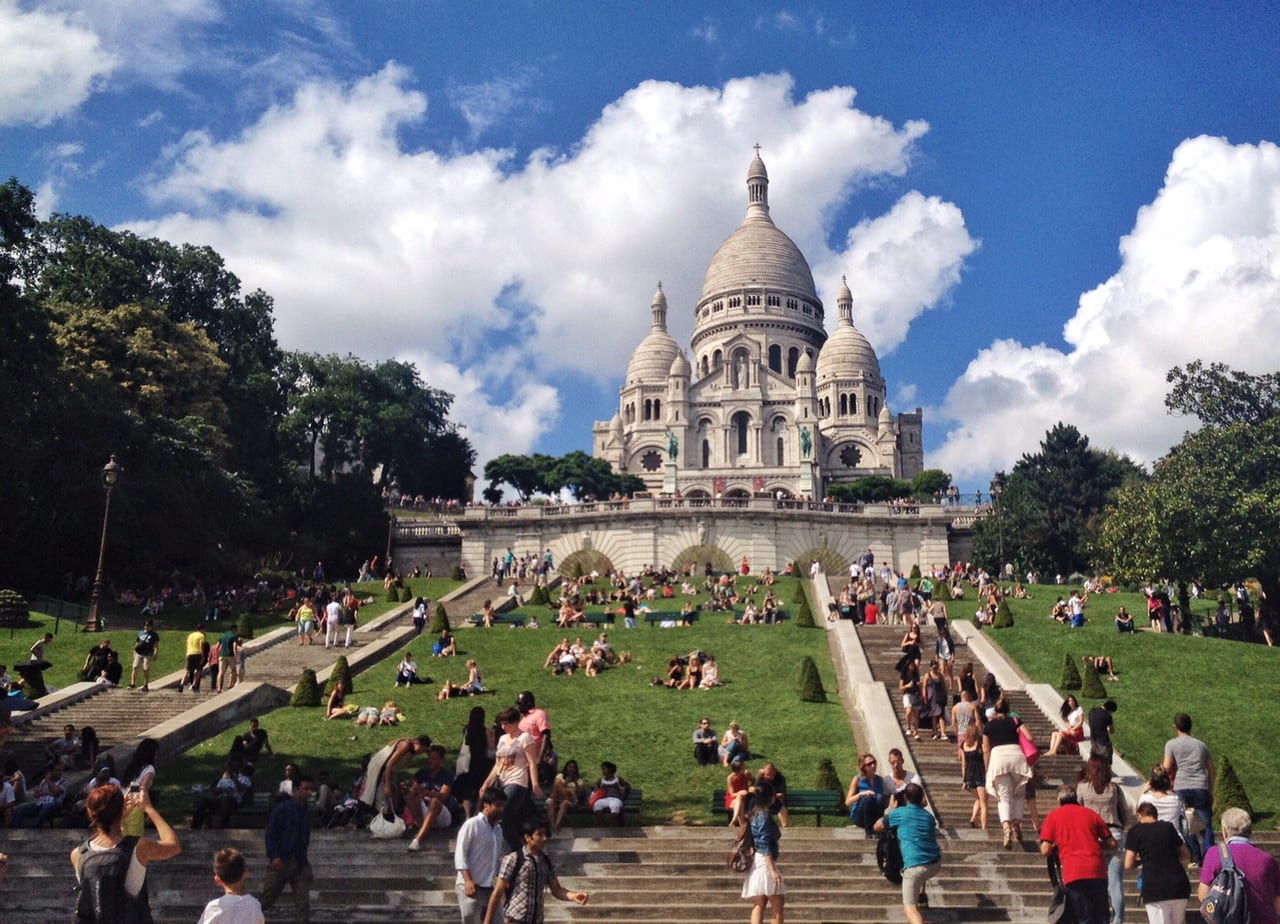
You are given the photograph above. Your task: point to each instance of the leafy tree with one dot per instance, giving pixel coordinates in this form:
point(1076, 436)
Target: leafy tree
point(526, 474)
point(1051, 505)
point(1220, 396)
point(869, 489)
point(929, 482)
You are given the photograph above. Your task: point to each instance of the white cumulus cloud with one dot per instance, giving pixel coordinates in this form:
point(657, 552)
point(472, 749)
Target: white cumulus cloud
point(1200, 279)
point(545, 264)
point(50, 62)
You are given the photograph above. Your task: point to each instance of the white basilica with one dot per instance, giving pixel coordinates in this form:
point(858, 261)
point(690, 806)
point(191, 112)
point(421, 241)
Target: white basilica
point(770, 403)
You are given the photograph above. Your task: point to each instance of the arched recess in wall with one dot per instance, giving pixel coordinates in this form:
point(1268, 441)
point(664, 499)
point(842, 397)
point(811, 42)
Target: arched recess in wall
point(697, 556)
point(584, 561)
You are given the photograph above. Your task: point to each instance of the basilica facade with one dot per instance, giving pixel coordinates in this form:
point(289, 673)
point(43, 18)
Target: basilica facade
point(765, 401)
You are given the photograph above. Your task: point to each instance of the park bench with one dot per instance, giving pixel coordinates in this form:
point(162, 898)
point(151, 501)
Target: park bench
point(816, 802)
point(499, 619)
point(676, 616)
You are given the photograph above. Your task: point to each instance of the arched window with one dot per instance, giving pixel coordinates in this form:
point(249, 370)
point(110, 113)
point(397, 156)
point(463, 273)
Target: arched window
point(705, 367)
point(648, 409)
point(657, 409)
point(706, 453)
point(775, 358)
point(781, 460)
point(793, 357)
point(853, 404)
point(844, 405)
point(717, 359)
point(741, 424)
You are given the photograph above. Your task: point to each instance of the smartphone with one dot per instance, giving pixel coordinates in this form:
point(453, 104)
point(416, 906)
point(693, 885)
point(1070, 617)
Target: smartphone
point(134, 789)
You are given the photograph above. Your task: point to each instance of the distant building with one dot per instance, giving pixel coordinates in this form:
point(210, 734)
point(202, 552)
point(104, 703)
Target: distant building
point(770, 402)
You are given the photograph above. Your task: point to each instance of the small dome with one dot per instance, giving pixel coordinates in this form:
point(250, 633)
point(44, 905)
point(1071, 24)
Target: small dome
point(805, 364)
point(846, 354)
point(680, 366)
point(615, 425)
point(651, 362)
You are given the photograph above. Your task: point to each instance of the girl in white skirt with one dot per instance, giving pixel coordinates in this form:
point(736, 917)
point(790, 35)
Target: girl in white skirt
point(764, 883)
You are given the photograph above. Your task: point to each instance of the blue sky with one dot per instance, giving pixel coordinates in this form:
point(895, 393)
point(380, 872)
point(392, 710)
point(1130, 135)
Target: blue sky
point(1040, 207)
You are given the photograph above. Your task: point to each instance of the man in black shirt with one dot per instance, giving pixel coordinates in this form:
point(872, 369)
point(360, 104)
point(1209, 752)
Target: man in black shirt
point(1101, 727)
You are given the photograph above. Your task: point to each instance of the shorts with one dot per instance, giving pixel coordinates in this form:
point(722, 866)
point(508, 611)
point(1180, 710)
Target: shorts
point(910, 701)
point(608, 804)
point(141, 661)
point(195, 663)
point(914, 878)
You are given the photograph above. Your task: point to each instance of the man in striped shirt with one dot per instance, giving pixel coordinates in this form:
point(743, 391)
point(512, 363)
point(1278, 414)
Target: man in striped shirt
point(527, 874)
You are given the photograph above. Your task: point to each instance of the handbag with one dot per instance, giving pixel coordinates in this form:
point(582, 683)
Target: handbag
point(1060, 910)
point(1195, 825)
point(744, 851)
point(463, 763)
point(596, 796)
point(1029, 749)
point(386, 827)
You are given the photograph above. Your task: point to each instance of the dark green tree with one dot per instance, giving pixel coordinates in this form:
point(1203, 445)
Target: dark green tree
point(870, 489)
point(440, 620)
point(929, 482)
point(1228, 791)
point(1004, 616)
point(1070, 673)
point(1220, 396)
point(306, 694)
point(804, 615)
point(827, 779)
point(341, 671)
point(527, 475)
point(811, 689)
point(1091, 684)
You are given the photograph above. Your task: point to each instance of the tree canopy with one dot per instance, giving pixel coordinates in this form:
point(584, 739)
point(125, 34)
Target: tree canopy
point(582, 475)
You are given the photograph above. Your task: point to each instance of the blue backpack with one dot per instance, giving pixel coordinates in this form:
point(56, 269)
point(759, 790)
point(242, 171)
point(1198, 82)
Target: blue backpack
point(1227, 901)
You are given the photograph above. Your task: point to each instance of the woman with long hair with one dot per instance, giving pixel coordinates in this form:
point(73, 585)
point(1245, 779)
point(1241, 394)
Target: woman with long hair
point(975, 774)
point(566, 792)
point(140, 772)
point(1068, 740)
point(866, 797)
point(108, 809)
point(479, 741)
point(764, 885)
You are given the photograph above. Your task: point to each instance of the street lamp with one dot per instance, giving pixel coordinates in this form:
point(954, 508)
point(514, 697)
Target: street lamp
point(997, 488)
point(111, 473)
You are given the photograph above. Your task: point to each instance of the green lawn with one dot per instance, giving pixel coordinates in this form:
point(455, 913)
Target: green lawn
point(1228, 688)
point(69, 647)
point(617, 716)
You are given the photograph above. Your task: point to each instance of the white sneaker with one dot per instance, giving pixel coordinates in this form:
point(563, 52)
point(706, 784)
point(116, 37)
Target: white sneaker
point(415, 844)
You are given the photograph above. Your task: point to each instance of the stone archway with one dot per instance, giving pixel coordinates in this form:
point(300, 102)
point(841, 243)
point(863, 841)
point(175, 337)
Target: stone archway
point(584, 561)
point(832, 562)
point(697, 557)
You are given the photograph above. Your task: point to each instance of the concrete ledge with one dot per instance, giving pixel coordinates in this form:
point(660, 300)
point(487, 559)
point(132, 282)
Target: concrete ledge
point(57, 700)
point(1007, 675)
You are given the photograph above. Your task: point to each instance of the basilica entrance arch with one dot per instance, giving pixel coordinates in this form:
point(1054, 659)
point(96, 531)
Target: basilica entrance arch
point(584, 561)
point(697, 556)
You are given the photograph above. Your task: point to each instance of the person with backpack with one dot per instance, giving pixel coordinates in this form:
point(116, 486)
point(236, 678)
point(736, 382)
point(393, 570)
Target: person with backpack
point(1259, 869)
point(917, 832)
point(522, 877)
point(110, 867)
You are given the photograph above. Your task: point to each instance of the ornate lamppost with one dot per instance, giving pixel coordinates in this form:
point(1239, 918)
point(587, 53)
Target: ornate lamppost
point(997, 488)
point(111, 473)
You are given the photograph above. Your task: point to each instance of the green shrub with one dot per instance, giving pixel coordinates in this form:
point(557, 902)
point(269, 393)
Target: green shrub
point(915, 573)
point(13, 609)
point(393, 594)
point(1004, 615)
point(538, 596)
point(1091, 684)
point(440, 621)
point(457, 574)
point(406, 594)
point(307, 693)
point(576, 571)
point(341, 671)
point(1228, 791)
point(798, 595)
point(1070, 673)
point(244, 626)
point(804, 615)
point(942, 591)
point(811, 689)
point(827, 778)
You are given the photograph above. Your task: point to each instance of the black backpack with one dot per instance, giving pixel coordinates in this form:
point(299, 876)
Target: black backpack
point(101, 897)
point(889, 856)
point(1227, 901)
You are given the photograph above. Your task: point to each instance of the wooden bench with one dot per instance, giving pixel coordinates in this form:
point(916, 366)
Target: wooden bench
point(816, 802)
point(630, 805)
point(499, 619)
point(677, 617)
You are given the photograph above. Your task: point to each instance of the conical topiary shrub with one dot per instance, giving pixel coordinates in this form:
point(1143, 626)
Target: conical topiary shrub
point(538, 596)
point(827, 778)
point(406, 594)
point(1228, 792)
point(915, 573)
point(1091, 684)
point(798, 594)
point(440, 620)
point(576, 571)
point(811, 689)
point(307, 693)
point(244, 626)
point(942, 591)
point(804, 615)
point(393, 594)
point(1070, 673)
point(13, 609)
point(1004, 615)
point(341, 671)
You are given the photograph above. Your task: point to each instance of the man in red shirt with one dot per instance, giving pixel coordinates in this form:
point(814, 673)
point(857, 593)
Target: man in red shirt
point(1080, 837)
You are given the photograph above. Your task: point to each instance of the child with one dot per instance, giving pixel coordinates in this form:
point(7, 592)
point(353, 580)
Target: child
point(236, 906)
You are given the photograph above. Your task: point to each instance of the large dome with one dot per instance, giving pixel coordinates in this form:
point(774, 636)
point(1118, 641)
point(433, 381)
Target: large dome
point(758, 255)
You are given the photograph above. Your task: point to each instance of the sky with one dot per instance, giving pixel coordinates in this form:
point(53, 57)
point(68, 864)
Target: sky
point(1040, 208)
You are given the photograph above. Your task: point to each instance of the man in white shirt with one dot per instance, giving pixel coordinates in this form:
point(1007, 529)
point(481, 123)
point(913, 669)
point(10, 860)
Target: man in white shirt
point(476, 856)
point(332, 623)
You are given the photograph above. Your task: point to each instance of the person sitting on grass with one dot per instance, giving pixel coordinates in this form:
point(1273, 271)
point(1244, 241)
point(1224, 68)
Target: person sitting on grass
point(407, 671)
point(445, 646)
point(1124, 621)
point(1102, 663)
point(710, 673)
point(336, 707)
point(473, 686)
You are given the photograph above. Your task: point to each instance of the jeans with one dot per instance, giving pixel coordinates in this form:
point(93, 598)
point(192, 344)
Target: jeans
point(297, 876)
point(1202, 802)
point(1115, 878)
point(1088, 899)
